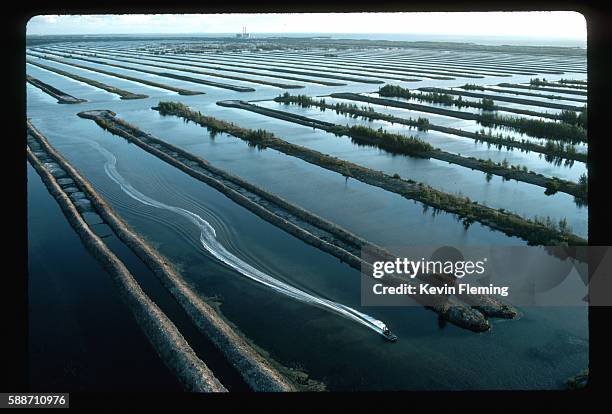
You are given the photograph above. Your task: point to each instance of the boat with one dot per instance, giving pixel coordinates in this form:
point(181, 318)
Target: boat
point(389, 336)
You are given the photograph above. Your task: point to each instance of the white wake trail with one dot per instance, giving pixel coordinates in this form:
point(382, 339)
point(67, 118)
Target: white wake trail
point(212, 246)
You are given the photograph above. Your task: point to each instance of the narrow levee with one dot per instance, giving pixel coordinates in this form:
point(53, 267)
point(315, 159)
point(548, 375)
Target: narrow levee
point(61, 97)
point(171, 346)
point(122, 93)
point(400, 144)
point(301, 223)
point(509, 223)
point(180, 91)
point(423, 124)
point(258, 372)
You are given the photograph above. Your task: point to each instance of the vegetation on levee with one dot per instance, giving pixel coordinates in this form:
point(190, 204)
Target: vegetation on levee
point(502, 98)
point(583, 183)
point(394, 143)
point(517, 172)
point(554, 87)
point(466, 209)
point(567, 83)
point(399, 144)
point(363, 135)
point(122, 93)
point(558, 131)
point(574, 118)
point(554, 152)
point(364, 111)
point(396, 91)
point(473, 87)
point(256, 138)
point(436, 109)
point(291, 218)
point(571, 131)
point(525, 126)
point(507, 88)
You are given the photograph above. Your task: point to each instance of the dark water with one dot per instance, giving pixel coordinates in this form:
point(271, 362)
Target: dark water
point(539, 351)
point(81, 335)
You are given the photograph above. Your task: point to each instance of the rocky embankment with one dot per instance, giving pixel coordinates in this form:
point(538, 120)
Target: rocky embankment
point(258, 372)
point(166, 339)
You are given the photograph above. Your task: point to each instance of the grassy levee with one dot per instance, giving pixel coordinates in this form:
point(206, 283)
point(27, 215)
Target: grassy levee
point(259, 371)
point(561, 83)
point(168, 75)
point(547, 130)
point(533, 232)
point(180, 91)
point(198, 64)
point(201, 72)
point(503, 98)
point(395, 143)
point(556, 131)
point(396, 91)
point(122, 93)
point(415, 147)
point(165, 338)
point(523, 93)
point(545, 89)
point(553, 152)
point(62, 97)
point(298, 222)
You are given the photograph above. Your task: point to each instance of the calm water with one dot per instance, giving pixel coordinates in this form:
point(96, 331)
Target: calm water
point(81, 335)
point(538, 351)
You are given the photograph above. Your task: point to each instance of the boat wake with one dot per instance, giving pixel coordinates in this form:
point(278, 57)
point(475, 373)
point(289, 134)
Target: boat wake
point(209, 242)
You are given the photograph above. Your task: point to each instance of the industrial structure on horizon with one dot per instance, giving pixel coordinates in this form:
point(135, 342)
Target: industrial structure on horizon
point(244, 34)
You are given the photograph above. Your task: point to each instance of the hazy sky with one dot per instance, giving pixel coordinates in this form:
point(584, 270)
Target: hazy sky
point(569, 25)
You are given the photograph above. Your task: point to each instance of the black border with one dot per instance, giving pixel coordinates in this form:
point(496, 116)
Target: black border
point(14, 283)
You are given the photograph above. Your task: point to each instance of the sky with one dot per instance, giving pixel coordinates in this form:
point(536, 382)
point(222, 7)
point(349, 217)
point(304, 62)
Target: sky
point(557, 24)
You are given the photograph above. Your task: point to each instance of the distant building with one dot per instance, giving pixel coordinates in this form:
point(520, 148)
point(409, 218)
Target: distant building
point(244, 34)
